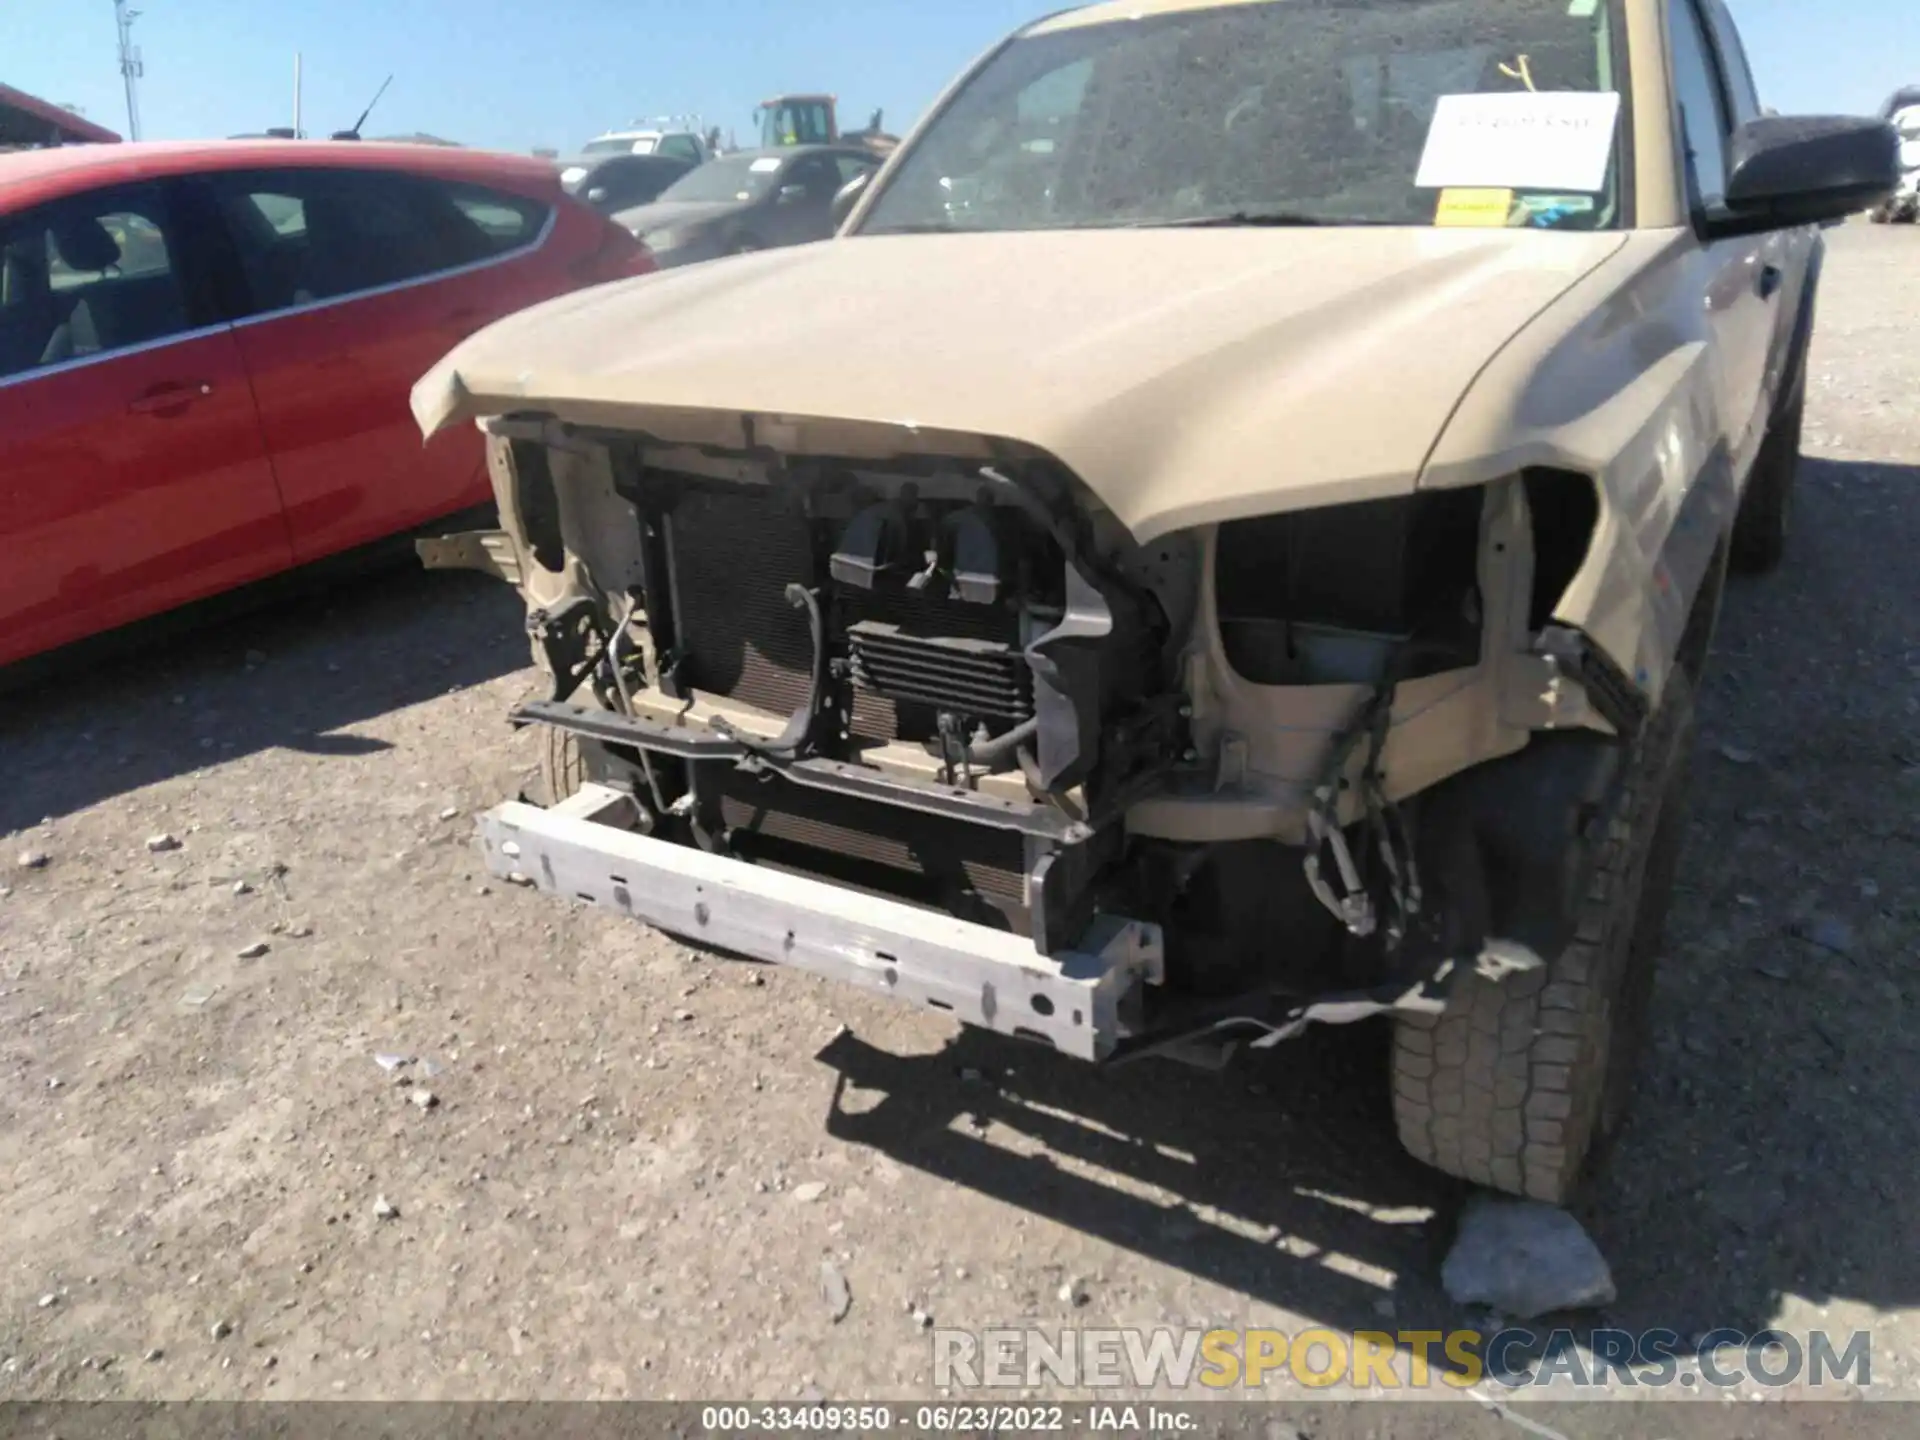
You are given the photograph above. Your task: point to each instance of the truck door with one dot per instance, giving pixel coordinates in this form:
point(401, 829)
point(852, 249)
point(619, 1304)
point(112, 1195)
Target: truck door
point(1745, 274)
point(1788, 252)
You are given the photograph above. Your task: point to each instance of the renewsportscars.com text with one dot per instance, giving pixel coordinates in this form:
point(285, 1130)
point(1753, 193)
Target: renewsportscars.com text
point(1402, 1360)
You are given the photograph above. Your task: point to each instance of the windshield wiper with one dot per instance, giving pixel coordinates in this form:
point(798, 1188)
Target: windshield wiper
point(919, 227)
point(1251, 219)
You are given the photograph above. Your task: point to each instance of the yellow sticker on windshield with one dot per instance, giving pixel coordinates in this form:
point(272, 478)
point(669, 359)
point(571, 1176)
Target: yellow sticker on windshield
point(1484, 208)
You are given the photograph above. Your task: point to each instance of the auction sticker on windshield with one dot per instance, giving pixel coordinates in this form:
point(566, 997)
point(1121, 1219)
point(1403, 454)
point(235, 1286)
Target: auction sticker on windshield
point(1558, 140)
point(1474, 208)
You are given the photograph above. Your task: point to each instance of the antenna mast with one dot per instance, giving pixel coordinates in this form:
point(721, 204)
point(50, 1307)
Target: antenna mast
point(131, 65)
point(354, 133)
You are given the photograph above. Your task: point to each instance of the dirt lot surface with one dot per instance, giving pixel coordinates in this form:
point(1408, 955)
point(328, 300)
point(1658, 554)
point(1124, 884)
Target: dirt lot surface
point(636, 1160)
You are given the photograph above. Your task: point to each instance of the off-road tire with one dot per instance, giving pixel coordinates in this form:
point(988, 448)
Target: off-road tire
point(562, 766)
point(1766, 512)
point(1523, 1082)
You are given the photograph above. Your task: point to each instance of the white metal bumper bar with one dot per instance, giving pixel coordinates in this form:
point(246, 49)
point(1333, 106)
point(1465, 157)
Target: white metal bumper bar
point(984, 977)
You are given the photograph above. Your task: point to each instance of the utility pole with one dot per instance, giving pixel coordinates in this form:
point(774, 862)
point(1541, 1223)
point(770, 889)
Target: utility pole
point(131, 67)
point(296, 95)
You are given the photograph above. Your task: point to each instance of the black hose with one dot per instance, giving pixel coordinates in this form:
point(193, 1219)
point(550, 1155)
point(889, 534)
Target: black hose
point(787, 746)
point(615, 663)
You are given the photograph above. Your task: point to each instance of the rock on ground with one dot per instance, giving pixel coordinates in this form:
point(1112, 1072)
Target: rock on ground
point(1524, 1259)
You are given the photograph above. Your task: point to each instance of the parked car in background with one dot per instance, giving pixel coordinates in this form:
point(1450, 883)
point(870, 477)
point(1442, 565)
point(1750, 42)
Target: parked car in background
point(1902, 111)
point(754, 200)
point(610, 183)
point(689, 145)
point(206, 350)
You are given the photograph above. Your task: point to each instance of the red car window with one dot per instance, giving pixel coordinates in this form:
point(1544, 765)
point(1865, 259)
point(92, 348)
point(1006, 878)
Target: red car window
point(325, 234)
point(88, 277)
point(506, 221)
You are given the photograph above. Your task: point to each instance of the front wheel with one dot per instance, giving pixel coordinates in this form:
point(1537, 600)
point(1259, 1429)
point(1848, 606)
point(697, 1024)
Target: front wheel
point(1523, 1081)
point(562, 766)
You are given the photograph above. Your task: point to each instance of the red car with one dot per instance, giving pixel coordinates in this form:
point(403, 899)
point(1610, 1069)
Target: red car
point(206, 351)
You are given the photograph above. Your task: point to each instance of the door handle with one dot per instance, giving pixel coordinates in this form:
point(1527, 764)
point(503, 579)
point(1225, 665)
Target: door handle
point(169, 399)
point(1771, 278)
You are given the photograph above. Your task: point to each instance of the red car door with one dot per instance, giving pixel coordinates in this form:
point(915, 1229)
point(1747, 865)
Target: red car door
point(358, 281)
point(133, 477)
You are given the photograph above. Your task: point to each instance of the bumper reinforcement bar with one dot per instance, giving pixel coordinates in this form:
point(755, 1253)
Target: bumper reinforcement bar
point(1074, 1001)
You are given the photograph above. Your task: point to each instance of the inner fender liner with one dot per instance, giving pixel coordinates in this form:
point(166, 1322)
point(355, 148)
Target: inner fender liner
point(1509, 848)
point(1619, 701)
point(538, 504)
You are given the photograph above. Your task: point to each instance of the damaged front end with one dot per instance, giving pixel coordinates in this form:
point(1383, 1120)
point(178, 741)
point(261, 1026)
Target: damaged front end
point(938, 724)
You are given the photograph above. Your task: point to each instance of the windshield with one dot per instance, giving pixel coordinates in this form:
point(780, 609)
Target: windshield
point(1400, 112)
point(739, 177)
point(795, 122)
point(608, 147)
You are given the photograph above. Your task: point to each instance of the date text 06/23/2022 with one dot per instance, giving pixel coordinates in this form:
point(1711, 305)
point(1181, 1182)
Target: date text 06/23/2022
point(961, 1418)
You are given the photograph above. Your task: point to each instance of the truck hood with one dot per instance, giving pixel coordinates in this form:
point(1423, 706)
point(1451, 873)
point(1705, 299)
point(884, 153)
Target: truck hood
point(1185, 376)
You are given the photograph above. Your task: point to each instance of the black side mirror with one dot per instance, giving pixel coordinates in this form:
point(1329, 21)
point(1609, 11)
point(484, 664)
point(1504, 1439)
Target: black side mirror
point(1790, 170)
point(848, 195)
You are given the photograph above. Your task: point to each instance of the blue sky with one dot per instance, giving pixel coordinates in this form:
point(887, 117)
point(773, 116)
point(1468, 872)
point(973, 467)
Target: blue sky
point(510, 74)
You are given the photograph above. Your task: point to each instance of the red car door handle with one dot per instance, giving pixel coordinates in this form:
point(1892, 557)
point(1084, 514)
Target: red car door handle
point(170, 399)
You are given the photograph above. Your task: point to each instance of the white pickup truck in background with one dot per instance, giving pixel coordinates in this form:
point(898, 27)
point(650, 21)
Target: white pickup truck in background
point(1902, 111)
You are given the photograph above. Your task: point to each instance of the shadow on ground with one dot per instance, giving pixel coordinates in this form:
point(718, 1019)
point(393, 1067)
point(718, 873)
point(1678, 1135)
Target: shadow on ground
point(1772, 1152)
point(288, 673)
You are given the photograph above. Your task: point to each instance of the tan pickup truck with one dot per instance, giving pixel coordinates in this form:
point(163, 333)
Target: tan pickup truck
point(1224, 539)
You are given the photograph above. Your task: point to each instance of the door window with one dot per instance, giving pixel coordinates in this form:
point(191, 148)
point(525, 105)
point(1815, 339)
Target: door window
point(1733, 53)
point(87, 277)
point(852, 167)
point(618, 187)
point(1703, 110)
point(817, 174)
point(306, 236)
point(508, 221)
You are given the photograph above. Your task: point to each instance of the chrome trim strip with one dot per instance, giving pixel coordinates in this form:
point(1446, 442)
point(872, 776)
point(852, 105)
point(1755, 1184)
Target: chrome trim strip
point(504, 257)
point(81, 361)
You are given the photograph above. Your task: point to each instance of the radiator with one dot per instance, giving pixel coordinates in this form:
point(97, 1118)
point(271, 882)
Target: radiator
point(733, 554)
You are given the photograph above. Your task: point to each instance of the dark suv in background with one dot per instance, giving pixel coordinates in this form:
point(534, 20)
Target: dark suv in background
point(618, 182)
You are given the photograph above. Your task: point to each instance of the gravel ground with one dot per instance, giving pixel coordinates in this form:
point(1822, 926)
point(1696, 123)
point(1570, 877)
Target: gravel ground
point(614, 1168)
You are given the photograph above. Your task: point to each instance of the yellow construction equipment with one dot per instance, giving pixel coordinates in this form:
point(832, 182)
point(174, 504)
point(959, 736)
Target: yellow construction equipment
point(814, 120)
